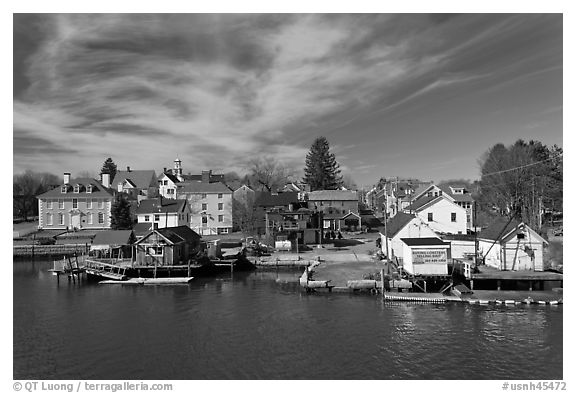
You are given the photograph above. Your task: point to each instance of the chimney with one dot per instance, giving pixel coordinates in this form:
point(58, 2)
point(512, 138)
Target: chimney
point(127, 169)
point(106, 180)
point(66, 177)
point(206, 176)
point(164, 170)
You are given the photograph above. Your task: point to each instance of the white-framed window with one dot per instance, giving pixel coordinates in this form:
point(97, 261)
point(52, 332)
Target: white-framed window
point(48, 203)
point(90, 218)
point(219, 196)
point(63, 189)
point(220, 218)
point(430, 217)
point(76, 188)
point(204, 221)
point(100, 218)
point(156, 217)
point(204, 206)
point(203, 196)
point(60, 203)
point(89, 203)
point(49, 219)
point(155, 250)
point(453, 217)
point(165, 182)
point(89, 189)
point(75, 203)
point(60, 219)
point(220, 206)
point(170, 191)
point(147, 218)
point(100, 203)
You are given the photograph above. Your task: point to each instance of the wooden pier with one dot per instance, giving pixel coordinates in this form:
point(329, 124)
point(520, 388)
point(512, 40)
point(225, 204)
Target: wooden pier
point(105, 270)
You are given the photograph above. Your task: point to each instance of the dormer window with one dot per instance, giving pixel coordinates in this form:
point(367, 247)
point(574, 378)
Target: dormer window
point(64, 189)
point(89, 189)
point(77, 188)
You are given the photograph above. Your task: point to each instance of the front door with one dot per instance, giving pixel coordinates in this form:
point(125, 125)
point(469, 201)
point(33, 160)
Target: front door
point(75, 221)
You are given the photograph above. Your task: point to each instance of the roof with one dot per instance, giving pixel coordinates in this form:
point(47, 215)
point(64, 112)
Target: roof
point(332, 195)
point(499, 228)
point(179, 234)
point(234, 184)
point(423, 201)
point(267, 199)
point(197, 187)
point(213, 178)
point(350, 214)
point(424, 241)
point(140, 178)
point(396, 223)
point(421, 189)
point(142, 228)
point(172, 177)
point(161, 205)
point(112, 237)
point(98, 190)
point(466, 197)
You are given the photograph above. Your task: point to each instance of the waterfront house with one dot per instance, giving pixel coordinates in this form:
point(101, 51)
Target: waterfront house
point(163, 212)
point(167, 247)
point(334, 205)
point(426, 256)
point(268, 208)
point(113, 244)
point(511, 245)
point(402, 226)
point(81, 203)
point(440, 213)
point(139, 184)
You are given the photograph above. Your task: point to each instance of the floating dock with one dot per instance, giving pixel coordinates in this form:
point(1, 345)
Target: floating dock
point(151, 281)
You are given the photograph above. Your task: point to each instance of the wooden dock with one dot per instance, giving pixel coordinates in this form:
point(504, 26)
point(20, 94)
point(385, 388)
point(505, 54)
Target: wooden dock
point(151, 281)
point(105, 270)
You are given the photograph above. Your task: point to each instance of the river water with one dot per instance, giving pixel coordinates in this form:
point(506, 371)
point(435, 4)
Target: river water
point(259, 325)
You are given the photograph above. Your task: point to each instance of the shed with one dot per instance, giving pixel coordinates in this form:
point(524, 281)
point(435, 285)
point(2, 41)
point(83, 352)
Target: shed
point(511, 245)
point(167, 246)
point(113, 243)
point(427, 256)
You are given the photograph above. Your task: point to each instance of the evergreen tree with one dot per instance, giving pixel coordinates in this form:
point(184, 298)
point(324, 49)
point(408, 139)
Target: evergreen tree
point(121, 217)
point(322, 172)
point(110, 168)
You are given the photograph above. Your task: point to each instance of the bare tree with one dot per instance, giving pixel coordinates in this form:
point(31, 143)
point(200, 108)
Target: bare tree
point(25, 189)
point(267, 173)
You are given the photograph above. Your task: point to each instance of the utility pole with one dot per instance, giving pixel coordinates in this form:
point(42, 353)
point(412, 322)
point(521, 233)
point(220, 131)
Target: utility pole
point(386, 225)
point(475, 235)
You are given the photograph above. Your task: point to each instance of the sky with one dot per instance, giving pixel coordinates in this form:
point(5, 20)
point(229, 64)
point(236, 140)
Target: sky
point(409, 95)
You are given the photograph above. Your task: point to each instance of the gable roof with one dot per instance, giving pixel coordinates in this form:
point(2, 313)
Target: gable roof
point(214, 178)
point(267, 199)
point(422, 189)
point(197, 187)
point(142, 228)
point(174, 235)
point(140, 178)
point(396, 223)
point(98, 190)
point(499, 229)
point(161, 205)
point(333, 195)
point(113, 237)
point(170, 176)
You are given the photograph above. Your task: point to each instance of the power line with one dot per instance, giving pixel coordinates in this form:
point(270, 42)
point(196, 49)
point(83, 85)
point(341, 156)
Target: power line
point(523, 166)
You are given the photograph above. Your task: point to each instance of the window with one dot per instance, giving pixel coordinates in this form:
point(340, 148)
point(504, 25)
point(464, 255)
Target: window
point(60, 219)
point(100, 203)
point(154, 250)
point(468, 218)
point(204, 206)
point(219, 196)
point(90, 218)
point(49, 219)
point(165, 182)
point(89, 189)
point(220, 218)
point(453, 217)
point(170, 191)
point(222, 230)
point(100, 218)
point(60, 203)
point(430, 217)
point(520, 236)
point(63, 189)
point(76, 188)
point(89, 203)
point(156, 217)
point(49, 204)
point(75, 203)
point(203, 196)
point(204, 221)
point(147, 218)
point(220, 206)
